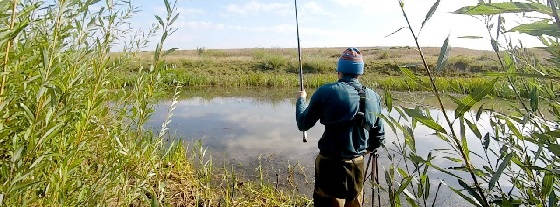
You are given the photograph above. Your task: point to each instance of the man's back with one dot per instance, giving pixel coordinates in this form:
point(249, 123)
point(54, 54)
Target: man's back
point(336, 105)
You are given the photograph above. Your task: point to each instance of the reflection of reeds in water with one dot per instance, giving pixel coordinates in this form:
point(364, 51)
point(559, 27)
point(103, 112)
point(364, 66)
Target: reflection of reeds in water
point(231, 185)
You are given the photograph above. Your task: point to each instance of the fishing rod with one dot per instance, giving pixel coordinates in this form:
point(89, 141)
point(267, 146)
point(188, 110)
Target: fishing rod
point(300, 64)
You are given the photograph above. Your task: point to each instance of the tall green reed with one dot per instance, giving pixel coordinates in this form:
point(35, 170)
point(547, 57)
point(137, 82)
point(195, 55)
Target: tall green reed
point(523, 170)
point(66, 141)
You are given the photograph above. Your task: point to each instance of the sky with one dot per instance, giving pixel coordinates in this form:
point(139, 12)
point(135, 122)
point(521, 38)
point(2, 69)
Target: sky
point(224, 24)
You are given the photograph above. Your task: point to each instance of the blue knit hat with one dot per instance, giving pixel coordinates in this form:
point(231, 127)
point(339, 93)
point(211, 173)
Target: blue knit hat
point(351, 62)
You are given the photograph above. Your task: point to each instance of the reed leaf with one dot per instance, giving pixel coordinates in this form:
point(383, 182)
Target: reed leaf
point(443, 55)
point(538, 29)
point(503, 8)
point(466, 103)
point(499, 171)
point(426, 120)
point(430, 13)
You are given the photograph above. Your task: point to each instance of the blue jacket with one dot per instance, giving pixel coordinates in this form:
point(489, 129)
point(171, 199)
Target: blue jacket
point(335, 105)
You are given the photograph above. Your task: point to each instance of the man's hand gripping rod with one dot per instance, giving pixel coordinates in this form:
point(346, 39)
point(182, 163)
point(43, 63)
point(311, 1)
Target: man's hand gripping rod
point(300, 64)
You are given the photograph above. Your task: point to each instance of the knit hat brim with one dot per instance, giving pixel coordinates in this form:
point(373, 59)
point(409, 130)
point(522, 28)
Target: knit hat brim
point(351, 62)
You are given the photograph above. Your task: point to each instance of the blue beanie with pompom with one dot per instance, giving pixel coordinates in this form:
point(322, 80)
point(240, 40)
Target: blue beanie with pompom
point(351, 62)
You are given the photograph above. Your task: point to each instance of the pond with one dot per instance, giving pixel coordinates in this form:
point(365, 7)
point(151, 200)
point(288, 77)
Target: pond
point(251, 128)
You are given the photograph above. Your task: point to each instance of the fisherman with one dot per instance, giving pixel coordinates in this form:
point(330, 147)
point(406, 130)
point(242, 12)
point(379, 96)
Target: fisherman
point(352, 129)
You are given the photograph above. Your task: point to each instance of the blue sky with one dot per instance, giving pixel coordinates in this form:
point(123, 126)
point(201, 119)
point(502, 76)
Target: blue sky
point(323, 23)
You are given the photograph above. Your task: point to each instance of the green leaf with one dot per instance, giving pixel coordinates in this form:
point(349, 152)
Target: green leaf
point(466, 103)
point(470, 37)
point(404, 185)
point(402, 172)
point(499, 27)
point(389, 121)
point(443, 55)
point(486, 141)
point(462, 131)
point(426, 120)
point(555, 149)
point(410, 199)
point(495, 45)
point(547, 184)
point(416, 159)
point(534, 95)
point(552, 200)
point(394, 32)
point(467, 198)
point(479, 112)
point(443, 170)
point(514, 74)
point(474, 129)
point(454, 159)
point(442, 137)
point(411, 75)
point(502, 8)
point(514, 129)
point(498, 173)
point(173, 19)
point(4, 103)
point(159, 20)
point(430, 13)
point(538, 29)
point(167, 6)
point(471, 190)
point(23, 185)
point(154, 202)
point(409, 138)
point(465, 146)
point(170, 51)
point(28, 113)
point(388, 100)
point(401, 113)
point(427, 186)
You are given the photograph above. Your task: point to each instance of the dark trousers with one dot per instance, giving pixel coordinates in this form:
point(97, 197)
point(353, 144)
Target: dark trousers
point(338, 182)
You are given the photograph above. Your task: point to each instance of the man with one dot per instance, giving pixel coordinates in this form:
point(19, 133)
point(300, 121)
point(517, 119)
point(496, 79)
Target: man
point(351, 130)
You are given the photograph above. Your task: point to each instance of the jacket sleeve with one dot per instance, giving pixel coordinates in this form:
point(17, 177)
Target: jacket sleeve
point(307, 116)
point(377, 133)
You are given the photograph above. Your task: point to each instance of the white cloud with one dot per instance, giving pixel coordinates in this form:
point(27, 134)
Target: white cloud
point(190, 11)
point(314, 8)
point(253, 7)
point(201, 25)
point(207, 25)
point(160, 10)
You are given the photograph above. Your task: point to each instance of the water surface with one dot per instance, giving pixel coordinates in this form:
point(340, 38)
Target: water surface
point(257, 127)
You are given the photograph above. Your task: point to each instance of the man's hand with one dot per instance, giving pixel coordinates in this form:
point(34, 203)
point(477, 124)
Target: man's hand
point(302, 94)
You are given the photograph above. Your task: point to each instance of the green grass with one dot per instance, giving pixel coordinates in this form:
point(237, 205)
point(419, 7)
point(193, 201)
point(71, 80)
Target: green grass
point(278, 68)
point(236, 77)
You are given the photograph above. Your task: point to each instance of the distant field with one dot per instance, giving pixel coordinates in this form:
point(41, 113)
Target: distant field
point(278, 67)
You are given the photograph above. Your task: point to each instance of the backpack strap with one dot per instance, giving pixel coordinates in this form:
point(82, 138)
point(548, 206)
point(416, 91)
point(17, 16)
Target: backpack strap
point(360, 117)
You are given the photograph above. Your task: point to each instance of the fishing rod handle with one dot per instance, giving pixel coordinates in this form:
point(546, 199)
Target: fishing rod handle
point(305, 136)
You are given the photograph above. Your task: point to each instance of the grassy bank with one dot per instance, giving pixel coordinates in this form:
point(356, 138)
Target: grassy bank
point(278, 68)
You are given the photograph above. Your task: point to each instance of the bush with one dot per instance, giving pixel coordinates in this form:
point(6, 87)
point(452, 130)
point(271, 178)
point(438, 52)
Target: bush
point(319, 65)
point(272, 62)
point(384, 55)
